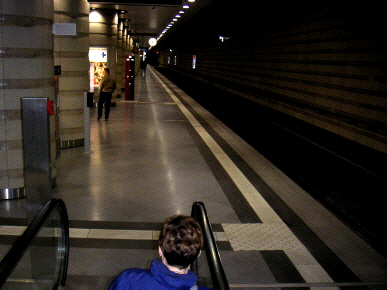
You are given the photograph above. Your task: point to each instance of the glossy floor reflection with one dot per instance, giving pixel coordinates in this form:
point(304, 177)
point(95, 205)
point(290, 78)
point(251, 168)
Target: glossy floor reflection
point(160, 153)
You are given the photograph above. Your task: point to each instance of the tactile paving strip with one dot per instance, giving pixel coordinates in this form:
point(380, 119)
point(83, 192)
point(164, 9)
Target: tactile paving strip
point(260, 237)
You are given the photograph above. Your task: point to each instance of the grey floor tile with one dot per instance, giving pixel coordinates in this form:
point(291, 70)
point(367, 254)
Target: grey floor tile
point(246, 267)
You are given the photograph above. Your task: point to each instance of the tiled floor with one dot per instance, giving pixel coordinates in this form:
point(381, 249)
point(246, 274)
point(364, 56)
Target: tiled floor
point(162, 152)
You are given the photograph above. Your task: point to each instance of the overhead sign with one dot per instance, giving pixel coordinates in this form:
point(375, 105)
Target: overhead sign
point(98, 54)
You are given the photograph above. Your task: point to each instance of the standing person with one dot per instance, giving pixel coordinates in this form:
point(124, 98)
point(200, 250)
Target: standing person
point(180, 243)
point(106, 89)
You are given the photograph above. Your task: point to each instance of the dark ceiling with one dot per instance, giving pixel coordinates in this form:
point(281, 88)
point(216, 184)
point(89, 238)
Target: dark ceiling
point(149, 18)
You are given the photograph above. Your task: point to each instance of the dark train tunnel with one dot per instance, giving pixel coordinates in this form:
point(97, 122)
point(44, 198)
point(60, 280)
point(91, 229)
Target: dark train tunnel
point(287, 78)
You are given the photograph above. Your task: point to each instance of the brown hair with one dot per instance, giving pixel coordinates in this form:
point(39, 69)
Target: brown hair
point(181, 240)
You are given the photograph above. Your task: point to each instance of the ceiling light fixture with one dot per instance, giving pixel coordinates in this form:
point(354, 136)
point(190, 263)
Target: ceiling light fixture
point(152, 41)
point(185, 6)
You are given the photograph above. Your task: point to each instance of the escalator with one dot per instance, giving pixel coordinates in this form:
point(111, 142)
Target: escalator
point(39, 257)
point(208, 266)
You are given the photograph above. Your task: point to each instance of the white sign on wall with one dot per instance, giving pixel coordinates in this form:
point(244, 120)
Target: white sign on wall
point(64, 29)
point(98, 54)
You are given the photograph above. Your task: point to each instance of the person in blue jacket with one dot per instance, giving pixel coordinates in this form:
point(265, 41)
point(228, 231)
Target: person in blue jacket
point(180, 243)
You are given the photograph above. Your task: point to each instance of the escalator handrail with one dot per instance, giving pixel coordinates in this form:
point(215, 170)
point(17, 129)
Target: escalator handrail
point(213, 258)
point(15, 254)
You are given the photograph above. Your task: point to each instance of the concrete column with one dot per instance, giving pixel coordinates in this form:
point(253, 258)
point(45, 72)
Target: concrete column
point(27, 70)
point(71, 54)
point(134, 49)
point(129, 43)
point(125, 43)
point(103, 32)
point(120, 57)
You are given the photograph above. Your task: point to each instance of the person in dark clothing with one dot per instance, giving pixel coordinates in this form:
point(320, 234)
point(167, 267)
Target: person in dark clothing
point(180, 243)
point(106, 89)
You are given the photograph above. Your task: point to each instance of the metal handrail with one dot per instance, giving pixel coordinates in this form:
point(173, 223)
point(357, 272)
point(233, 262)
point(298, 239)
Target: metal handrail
point(218, 275)
point(15, 254)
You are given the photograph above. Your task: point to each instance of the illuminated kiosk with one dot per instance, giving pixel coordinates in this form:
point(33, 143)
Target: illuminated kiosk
point(98, 57)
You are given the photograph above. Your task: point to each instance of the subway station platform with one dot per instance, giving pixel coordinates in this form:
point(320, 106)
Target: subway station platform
point(160, 153)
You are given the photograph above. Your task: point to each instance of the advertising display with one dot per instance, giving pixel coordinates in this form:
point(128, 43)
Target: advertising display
point(98, 57)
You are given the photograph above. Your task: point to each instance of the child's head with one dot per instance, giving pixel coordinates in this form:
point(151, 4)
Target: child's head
point(180, 241)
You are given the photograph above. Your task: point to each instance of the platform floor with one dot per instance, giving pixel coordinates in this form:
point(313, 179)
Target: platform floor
point(160, 153)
